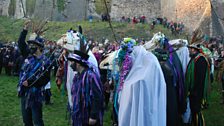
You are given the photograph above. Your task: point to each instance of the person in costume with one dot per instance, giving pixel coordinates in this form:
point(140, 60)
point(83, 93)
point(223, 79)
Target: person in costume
point(197, 79)
point(174, 77)
point(87, 92)
point(141, 93)
point(34, 75)
point(221, 79)
point(173, 117)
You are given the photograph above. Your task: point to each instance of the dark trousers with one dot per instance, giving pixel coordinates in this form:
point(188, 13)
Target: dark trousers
point(47, 95)
point(31, 115)
point(107, 99)
point(8, 70)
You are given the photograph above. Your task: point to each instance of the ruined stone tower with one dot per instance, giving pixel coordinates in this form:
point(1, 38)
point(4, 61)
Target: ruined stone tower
point(193, 13)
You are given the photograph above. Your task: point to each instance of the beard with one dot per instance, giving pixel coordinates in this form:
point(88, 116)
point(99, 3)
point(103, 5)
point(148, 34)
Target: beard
point(192, 55)
point(73, 66)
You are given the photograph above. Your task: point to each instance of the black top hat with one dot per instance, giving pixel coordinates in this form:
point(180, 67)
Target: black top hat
point(36, 40)
point(79, 57)
point(195, 46)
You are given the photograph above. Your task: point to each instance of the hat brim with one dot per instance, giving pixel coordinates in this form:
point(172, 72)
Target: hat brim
point(35, 42)
point(190, 46)
point(78, 61)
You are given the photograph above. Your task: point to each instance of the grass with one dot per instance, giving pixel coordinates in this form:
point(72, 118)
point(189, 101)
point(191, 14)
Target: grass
point(11, 28)
point(215, 113)
point(55, 115)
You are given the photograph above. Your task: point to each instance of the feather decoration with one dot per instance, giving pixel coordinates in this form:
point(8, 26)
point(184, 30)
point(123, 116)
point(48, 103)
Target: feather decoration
point(38, 27)
point(83, 44)
point(197, 36)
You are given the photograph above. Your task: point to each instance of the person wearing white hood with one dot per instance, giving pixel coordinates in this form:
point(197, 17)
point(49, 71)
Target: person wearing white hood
point(142, 89)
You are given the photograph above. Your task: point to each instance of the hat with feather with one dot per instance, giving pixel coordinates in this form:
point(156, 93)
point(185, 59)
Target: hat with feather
point(37, 30)
point(197, 39)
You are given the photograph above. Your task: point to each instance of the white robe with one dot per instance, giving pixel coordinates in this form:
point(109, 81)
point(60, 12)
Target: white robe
point(69, 79)
point(143, 97)
point(183, 54)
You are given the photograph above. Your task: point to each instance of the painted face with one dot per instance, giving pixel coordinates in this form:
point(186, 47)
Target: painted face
point(33, 48)
point(192, 51)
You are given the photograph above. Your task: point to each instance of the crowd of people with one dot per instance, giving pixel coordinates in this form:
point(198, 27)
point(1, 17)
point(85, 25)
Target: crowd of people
point(91, 91)
point(11, 59)
point(134, 20)
point(175, 27)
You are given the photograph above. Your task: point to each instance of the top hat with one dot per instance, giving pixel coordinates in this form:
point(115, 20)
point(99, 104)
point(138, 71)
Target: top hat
point(35, 39)
point(79, 57)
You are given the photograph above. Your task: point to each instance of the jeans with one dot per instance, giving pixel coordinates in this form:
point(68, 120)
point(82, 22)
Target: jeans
point(31, 114)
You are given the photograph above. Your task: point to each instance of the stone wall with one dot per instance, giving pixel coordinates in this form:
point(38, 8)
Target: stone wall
point(168, 9)
point(20, 9)
point(217, 17)
point(4, 6)
point(131, 8)
point(196, 14)
point(193, 13)
point(70, 10)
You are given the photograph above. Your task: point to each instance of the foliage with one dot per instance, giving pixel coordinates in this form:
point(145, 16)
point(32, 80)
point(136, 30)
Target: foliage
point(61, 5)
point(12, 7)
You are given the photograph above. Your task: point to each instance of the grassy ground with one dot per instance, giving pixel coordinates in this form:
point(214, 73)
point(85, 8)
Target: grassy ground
point(11, 28)
point(55, 115)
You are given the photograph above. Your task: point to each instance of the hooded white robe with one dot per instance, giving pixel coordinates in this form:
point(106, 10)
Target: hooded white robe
point(143, 97)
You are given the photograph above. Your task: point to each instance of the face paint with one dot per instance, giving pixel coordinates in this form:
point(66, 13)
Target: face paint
point(33, 48)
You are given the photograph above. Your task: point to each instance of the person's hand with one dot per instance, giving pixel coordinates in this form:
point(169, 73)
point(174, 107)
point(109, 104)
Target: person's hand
point(27, 24)
point(92, 121)
point(25, 83)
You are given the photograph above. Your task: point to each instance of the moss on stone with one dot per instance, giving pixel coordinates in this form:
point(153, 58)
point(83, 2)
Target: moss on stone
point(30, 7)
point(100, 6)
point(61, 5)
